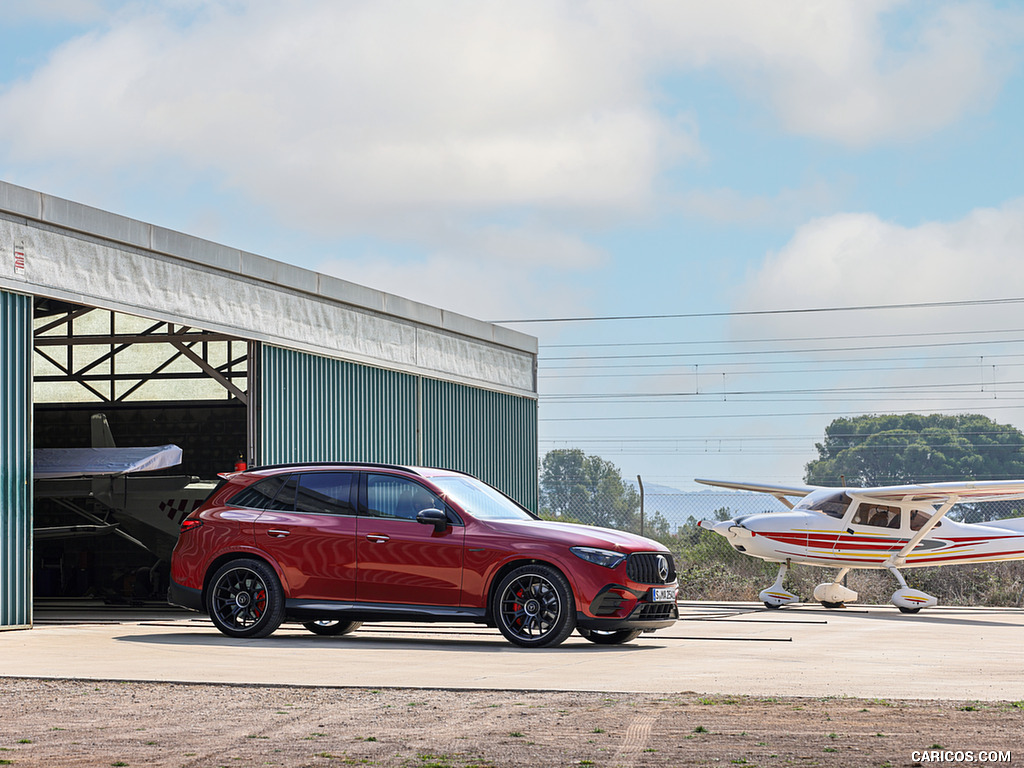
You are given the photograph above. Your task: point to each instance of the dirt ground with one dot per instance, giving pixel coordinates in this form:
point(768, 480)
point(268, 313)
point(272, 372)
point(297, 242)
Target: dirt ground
point(84, 723)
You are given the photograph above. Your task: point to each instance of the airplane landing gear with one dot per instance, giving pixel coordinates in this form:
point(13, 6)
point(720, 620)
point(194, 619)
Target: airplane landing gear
point(775, 596)
point(910, 600)
point(834, 594)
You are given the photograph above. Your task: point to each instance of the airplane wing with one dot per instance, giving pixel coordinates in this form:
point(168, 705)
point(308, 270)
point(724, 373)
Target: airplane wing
point(774, 490)
point(974, 491)
point(51, 463)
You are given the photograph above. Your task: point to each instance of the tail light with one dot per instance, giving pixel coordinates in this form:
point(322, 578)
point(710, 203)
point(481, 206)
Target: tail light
point(190, 524)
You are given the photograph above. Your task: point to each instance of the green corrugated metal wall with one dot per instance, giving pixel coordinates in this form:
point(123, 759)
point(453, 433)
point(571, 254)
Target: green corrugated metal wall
point(15, 460)
point(487, 434)
point(319, 409)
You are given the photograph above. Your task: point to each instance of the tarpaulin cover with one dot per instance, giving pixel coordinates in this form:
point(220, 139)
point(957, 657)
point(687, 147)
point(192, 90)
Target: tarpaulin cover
point(87, 462)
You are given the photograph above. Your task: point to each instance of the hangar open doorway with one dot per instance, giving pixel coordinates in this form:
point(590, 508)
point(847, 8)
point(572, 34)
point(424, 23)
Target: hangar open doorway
point(102, 379)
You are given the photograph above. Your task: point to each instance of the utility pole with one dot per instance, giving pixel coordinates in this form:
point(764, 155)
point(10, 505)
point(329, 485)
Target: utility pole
point(641, 484)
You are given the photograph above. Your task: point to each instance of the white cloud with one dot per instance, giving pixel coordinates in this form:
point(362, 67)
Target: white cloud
point(342, 112)
point(829, 69)
point(346, 115)
point(857, 259)
point(786, 207)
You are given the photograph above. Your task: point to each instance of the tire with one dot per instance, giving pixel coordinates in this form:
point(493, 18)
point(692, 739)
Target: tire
point(833, 605)
point(908, 610)
point(332, 626)
point(245, 599)
point(609, 637)
point(771, 606)
point(534, 607)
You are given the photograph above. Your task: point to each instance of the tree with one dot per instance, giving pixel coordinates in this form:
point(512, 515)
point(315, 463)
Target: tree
point(916, 448)
point(577, 486)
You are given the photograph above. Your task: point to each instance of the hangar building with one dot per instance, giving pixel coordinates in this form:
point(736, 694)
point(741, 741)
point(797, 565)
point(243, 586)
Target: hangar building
point(231, 356)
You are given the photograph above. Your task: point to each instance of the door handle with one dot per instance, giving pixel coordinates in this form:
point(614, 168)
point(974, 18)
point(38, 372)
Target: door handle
point(277, 533)
point(377, 538)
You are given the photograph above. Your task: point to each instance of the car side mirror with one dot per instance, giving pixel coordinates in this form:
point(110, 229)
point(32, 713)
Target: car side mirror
point(434, 517)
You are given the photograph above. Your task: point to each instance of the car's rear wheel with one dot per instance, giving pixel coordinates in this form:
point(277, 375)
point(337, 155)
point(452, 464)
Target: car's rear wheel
point(534, 607)
point(610, 636)
point(331, 626)
point(245, 599)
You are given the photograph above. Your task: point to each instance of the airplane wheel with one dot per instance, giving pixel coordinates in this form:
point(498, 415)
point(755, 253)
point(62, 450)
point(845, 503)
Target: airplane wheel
point(834, 605)
point(772, 606)
point(908, 610)
point(332, 626)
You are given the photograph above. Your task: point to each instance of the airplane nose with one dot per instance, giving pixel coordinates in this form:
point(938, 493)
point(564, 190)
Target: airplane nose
point(728, 528)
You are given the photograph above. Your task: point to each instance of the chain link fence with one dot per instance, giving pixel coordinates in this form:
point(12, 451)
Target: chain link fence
point(665, 515)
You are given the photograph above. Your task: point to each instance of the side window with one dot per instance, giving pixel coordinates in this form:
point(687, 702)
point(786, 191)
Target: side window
point(397, 497)
point(326, 493)
point(285, 499)
point(260, 494)
point(919, 518)
point(877, 515)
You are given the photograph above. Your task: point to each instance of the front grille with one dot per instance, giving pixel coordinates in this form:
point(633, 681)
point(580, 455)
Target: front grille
point(642, 568)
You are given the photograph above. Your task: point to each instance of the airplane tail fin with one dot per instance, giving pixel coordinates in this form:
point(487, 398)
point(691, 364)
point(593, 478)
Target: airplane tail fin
point(102, 437)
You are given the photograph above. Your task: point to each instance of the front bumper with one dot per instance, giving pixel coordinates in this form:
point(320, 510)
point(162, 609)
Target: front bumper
point(644, 616)
point(608, 611)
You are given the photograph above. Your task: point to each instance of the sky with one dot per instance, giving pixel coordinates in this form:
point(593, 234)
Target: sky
point(763, 195)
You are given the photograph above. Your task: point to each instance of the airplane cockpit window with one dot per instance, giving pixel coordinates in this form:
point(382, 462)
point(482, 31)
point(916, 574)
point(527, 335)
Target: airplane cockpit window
point(877, 515)
point(833, 504)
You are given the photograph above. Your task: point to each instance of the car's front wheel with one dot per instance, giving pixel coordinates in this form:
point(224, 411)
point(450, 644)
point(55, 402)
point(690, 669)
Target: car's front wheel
point(610, 637)
point(534, 607)
point(331, 626)
point(245, 599)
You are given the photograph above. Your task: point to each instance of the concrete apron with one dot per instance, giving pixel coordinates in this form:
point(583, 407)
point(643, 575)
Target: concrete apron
point(725, 649)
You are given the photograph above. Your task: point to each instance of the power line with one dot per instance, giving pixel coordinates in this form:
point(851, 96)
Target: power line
point(814, 350)
point(764, 312)
point(772, 415)
point(787, 339)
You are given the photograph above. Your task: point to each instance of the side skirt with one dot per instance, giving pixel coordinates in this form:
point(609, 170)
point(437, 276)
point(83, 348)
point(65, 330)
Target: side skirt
point(312, 610)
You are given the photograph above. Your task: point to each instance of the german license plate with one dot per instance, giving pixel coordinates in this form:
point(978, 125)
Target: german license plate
point(663, 595)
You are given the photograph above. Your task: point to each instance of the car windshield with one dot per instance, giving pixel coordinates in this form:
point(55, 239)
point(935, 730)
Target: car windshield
point(479, 499)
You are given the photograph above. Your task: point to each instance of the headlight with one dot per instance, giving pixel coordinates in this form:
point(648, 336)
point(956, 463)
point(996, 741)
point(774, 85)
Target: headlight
point(604, 557)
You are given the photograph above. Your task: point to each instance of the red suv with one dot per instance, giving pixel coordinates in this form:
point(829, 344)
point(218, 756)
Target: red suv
point(334, 545)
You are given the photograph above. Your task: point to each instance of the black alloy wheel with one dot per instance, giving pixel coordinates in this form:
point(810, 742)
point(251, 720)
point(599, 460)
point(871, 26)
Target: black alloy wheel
point(245, 599)
point(534, 607)
point(332, 626)
point(610, 636)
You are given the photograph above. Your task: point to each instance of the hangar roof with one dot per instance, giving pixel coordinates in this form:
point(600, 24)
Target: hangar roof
point(61, 249)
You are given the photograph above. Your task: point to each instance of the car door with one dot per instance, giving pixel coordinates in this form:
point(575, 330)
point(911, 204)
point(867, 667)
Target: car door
point(309, 529)
point(403, 561)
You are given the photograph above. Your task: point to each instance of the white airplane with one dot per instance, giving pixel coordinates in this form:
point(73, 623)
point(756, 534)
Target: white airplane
point(146, 511)
point(888, 527)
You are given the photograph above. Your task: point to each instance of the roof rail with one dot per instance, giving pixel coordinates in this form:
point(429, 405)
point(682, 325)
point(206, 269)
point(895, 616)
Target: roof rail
point(296, 464)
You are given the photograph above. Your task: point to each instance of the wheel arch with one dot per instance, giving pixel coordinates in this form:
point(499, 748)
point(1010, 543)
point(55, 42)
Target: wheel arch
point(227, 557)
point(510, 566)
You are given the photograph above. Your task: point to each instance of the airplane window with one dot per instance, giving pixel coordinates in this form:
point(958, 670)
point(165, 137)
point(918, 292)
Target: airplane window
point(919, 518)
point(877, 515)
point(833, 505)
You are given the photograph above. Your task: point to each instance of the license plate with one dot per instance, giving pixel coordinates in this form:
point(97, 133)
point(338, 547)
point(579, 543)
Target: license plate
point(663, 595)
